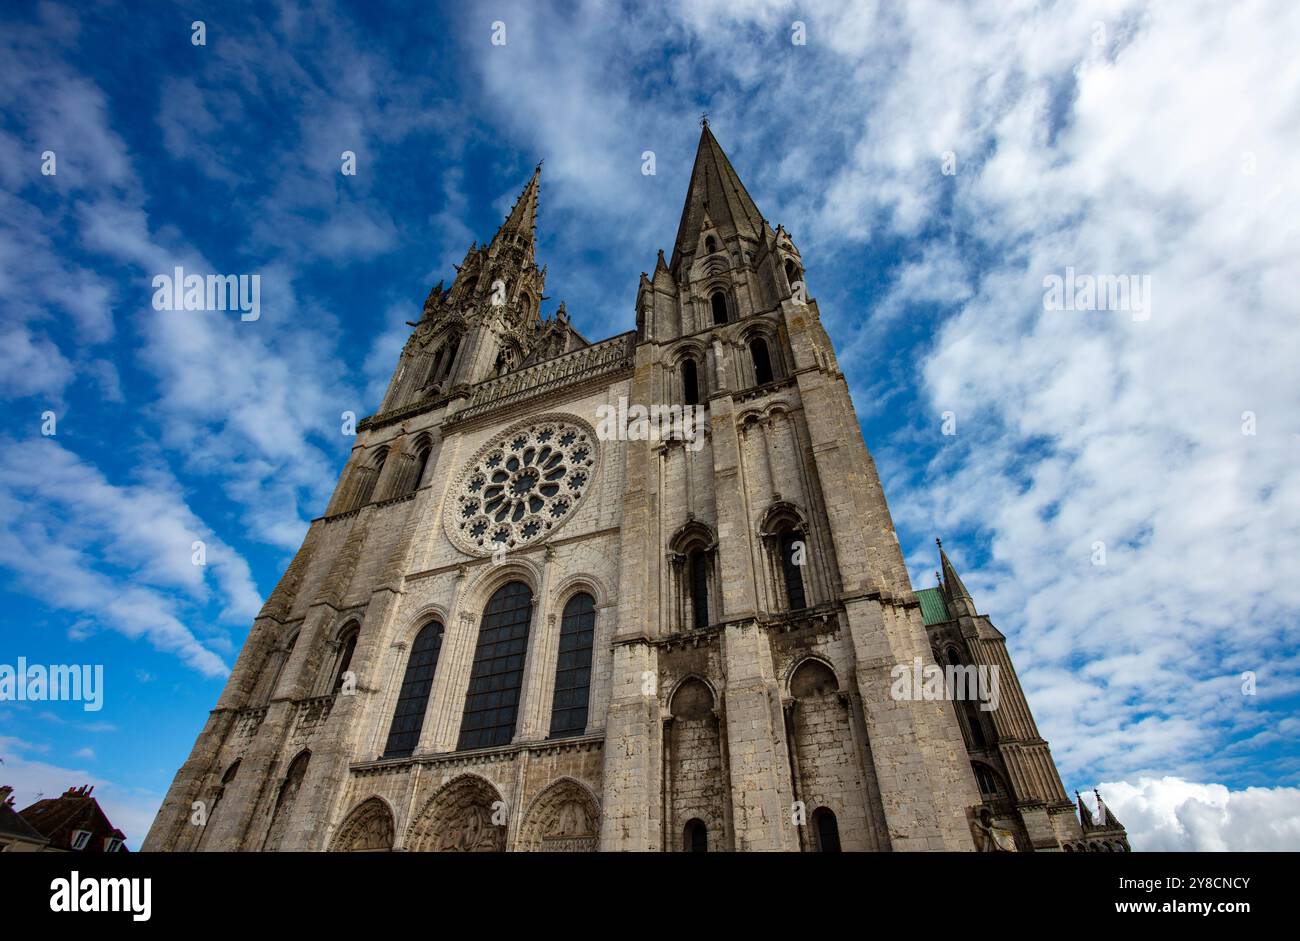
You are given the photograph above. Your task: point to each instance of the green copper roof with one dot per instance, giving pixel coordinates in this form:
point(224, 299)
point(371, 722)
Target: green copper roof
point(933, 608)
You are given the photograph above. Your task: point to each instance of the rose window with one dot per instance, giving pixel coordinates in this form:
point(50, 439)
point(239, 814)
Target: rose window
point(522, 486)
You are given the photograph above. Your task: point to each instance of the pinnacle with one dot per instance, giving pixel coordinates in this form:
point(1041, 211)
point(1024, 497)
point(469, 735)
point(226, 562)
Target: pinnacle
point(952, 581)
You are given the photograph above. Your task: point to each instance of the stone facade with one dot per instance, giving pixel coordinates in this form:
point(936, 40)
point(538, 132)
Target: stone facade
point(725, 607)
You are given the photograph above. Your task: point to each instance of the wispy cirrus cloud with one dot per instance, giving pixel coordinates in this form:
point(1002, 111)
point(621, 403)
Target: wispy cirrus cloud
point(121, 555)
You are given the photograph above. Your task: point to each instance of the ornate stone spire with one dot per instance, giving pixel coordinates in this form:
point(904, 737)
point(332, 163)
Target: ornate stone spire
point(520, 227)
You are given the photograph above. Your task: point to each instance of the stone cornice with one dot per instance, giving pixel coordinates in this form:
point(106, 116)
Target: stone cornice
point(409, 411)
point(480, 756)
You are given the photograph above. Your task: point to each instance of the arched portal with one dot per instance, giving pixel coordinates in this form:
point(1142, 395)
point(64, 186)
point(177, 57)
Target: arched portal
point(367, 829)
point(465, 815)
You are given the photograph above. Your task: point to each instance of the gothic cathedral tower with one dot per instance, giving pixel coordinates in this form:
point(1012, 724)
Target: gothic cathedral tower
point(514, 628)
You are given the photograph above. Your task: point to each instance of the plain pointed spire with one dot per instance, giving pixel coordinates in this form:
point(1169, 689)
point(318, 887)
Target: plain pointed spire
point(951, 580)
point(715, 191)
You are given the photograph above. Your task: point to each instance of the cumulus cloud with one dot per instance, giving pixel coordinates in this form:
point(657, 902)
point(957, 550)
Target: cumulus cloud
point(252, 407)
point(1170, 814)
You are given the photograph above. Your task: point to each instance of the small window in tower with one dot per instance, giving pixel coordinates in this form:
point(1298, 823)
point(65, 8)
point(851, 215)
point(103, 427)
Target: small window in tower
point(369, 478)
point(696, 837)
point(987, 781)
point(718, 302)
point(690, 383)
point(827, 829)
point(345, 658)
point(977, 739)
point(444, 368)
point(710, 244)
point(421, 462)
point(793, 553)
point(699, 570)
point(792, 272)
point(762, 361)
point(505, 362)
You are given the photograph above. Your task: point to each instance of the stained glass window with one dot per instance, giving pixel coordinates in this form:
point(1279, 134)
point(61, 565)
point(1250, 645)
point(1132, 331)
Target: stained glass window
point(492, 703)
point(417, 682)
point(573, 668)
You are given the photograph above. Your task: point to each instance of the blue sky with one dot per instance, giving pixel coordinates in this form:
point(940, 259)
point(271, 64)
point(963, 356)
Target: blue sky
point(1111, 136)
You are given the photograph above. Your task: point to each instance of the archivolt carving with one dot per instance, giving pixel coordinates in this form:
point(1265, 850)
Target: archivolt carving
point(563, 818)
point(369, 828)
point(459, 818)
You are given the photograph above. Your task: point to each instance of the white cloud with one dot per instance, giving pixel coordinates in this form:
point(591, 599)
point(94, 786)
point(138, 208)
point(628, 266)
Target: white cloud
point(1170, 814)
point(119, 554)
point(30, 364)
point(252, 406)
point(1082, 428)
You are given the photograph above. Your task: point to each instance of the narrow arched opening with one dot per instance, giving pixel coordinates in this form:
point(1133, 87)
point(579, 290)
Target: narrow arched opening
point(762, 360)
point(696, 837)
point(718, 305)
point(690, 383)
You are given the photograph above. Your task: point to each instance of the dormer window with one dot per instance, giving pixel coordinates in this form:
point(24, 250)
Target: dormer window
point(80, 839)
point(112, 844)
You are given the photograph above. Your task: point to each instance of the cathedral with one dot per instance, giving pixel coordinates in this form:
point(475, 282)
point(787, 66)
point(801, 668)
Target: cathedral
point(519, 627)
